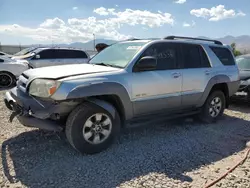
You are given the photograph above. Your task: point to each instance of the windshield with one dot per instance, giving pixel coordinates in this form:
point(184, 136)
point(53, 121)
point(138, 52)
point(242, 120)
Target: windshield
point(243, 63)
point(117, 55)
point(24, 51)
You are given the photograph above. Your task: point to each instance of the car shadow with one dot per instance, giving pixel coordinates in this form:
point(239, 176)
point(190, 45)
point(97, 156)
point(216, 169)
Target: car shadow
point(240, 105)
point(173, 148)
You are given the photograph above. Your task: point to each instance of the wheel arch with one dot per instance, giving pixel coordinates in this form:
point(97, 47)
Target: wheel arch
point(104, 95)
point(219, 82)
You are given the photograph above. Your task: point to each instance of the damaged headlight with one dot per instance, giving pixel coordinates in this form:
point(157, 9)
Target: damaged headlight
point(43, 87)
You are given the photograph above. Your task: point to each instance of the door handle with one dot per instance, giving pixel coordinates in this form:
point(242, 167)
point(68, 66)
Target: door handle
point(176, 75)
point(207, 72)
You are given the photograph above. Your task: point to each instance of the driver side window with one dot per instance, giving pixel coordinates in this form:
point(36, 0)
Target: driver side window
point(165, 53)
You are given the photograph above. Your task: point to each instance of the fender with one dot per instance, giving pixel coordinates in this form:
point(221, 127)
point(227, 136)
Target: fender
point(213, 81)
point(104, 88)
point(103, 104)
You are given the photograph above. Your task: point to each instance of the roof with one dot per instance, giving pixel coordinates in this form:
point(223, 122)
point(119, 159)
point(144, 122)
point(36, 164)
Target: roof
point(178, 39)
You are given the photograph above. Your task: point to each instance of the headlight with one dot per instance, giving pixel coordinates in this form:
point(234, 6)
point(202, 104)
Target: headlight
point(43, 88)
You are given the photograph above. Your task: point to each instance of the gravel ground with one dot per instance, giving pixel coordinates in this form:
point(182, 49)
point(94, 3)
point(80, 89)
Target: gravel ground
point(179, 153)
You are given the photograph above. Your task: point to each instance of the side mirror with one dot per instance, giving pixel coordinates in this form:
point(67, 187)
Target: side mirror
point(37, 56)
point(146, 63)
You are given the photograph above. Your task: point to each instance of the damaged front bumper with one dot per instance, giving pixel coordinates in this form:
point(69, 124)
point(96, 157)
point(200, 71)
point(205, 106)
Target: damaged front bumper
point(33, 112)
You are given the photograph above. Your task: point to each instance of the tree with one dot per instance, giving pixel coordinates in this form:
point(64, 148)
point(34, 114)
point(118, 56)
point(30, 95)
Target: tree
point(235, 51)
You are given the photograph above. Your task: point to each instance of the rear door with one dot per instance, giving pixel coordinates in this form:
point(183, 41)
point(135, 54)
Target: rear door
point(196, 71)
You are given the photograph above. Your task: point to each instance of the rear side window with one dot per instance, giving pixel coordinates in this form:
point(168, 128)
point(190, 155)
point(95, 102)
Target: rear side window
point(194, 56)
point(48, 54)
point(70, 54)
point(1, 60)
point(79, 54)
point(224, 55)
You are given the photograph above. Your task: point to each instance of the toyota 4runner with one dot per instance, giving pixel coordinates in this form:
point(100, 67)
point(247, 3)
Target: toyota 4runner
point(129, 80)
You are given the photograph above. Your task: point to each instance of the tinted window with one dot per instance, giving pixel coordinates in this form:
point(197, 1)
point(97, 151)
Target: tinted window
point(191, 56)
point(204, 59)
point(79, 54)
point(194, 56)
point(224, 55)
point(1, 60)
point(70, 54)
point(1, 53)
point(48, 54)
point(243, 63)
point(165, 53)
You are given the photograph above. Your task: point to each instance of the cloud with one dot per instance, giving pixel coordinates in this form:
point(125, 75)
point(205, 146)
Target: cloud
point(216, 13)
point(185, 24)
point(117, 5)
point(75, 8)
point(101, 11)
point(52, 23)
point(136, 17)
point(180, 1)
point(75, 29)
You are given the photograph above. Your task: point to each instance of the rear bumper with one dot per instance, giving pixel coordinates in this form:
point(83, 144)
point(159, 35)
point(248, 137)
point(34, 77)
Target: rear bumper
point(33, 112)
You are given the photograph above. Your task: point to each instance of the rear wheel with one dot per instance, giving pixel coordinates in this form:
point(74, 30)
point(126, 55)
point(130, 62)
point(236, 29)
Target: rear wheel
point(91, 129)
point(6, 79)
point(213, 107)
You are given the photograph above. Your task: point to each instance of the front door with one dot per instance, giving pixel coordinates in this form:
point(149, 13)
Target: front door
point(158, 90)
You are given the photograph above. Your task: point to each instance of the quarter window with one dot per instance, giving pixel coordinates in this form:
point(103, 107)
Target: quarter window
point(224, 55)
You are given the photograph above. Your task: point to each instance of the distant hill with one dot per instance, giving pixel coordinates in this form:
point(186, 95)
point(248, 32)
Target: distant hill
point(242, 42)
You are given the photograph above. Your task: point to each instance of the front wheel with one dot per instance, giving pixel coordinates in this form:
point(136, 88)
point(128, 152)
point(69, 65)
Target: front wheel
point(214, 107)
point(91, 129)
point(6, 80)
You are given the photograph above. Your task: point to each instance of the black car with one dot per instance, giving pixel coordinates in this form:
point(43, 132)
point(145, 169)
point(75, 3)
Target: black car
point(243, 63)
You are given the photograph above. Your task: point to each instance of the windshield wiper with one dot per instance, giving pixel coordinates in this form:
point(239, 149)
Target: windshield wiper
point(103, 64)
point(108, 65)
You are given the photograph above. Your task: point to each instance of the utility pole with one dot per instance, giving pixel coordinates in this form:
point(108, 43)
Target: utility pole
point(94, 41)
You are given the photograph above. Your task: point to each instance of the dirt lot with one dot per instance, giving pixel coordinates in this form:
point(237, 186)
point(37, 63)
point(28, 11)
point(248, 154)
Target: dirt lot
point(177, 153)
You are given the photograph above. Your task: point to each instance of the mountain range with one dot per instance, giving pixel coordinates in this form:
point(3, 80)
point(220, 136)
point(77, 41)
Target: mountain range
point(242, 42)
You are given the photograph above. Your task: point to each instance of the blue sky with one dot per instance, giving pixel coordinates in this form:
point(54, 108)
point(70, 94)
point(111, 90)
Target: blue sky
point(66, 21)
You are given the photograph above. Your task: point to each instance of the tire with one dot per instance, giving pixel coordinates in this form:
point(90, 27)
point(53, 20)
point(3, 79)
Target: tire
point(7, 80)
point(77, 125)
point(209, 116)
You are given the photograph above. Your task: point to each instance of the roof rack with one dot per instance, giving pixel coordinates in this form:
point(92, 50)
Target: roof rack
point(178, 37)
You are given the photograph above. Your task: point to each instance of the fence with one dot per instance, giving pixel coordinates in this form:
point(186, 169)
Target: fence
point(11, 49)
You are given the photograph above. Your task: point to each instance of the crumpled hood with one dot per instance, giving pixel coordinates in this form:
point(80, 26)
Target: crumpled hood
point(64, 71)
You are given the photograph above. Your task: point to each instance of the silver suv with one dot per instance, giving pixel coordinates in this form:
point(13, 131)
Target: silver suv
point(130, 80)
point(52, 56)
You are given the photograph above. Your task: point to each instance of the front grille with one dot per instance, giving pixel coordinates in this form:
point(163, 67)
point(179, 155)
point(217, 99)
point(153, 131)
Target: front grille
point(22, 82)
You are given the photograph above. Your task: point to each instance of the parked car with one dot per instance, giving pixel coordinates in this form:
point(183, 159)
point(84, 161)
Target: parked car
point(43, 57)
point(5, 54)
point(243, 63)
point(10, 70)
point(126, 82)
